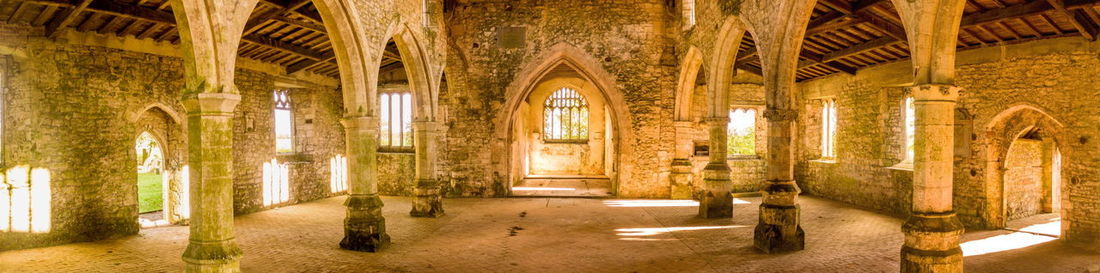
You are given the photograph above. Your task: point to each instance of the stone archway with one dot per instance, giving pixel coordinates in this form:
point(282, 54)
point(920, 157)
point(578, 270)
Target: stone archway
point(1025, 153)
point(163, 126)
point(563, 57)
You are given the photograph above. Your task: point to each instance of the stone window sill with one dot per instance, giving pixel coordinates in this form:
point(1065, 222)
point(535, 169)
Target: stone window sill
point(824, 160)
point(903, 166)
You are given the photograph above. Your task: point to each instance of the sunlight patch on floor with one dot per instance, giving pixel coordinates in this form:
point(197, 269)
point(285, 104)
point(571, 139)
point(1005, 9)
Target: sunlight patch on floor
point(1053, 228)
point(146, 223)
point(660, 203)
point(541, 189)
point(1026, 237)
point(634, 232)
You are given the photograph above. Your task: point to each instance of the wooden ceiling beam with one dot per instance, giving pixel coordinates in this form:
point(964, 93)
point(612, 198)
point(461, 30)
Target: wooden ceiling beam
point(1078, 18)
point(864, 5)
point(66, 17)
point(295, 4)
point(860, 48)
point(280, 45)
point(164, 17)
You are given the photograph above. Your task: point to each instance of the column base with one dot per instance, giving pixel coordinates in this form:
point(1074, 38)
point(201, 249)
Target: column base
point(427, 199)
point(716, 204)
point(680, 179)
point(216, 256)
point(778, 230)
point(364, 227)
point(932, 244)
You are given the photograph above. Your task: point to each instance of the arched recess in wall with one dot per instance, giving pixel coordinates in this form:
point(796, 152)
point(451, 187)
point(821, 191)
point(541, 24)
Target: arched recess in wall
point(524, 84)
point(1018, 134)
point(163, 124)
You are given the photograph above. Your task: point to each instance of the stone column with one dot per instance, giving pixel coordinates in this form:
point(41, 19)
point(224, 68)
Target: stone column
point(716, 201)
point(212, 246)
point(779, 228)
point(932, 231)
point(779, 28)
point(427, 197)
point(210, 32)
point(364, 227)
point(680, 179)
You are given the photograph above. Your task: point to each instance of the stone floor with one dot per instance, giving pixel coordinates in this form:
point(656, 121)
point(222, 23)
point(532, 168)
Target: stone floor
point(552, 235)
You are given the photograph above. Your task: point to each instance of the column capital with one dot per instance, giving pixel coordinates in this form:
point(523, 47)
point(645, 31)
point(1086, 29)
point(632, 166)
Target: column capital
point(777, 115)
point(934, 92)
point(211, 103)
point(361, 123)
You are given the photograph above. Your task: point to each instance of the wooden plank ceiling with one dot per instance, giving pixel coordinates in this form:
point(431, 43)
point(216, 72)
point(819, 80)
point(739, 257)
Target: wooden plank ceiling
point(844, 36)
point(289, 33)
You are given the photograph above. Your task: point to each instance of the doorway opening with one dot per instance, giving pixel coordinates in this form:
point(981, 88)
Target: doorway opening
point(563, 138)
point(151, 180)
point(1032, 184)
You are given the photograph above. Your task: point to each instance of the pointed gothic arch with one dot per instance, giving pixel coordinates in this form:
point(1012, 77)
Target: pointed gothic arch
point(588, 69)
point(1004, 129)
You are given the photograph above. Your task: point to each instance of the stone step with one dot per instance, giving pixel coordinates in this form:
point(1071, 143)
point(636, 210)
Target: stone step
point(564, 187)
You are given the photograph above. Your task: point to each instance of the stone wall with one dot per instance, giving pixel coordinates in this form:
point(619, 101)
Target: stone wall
point(1024, 178)
point(318, 136)
point(396, 173)
point(493, 41)
point(72, 111)
point(1015, 86)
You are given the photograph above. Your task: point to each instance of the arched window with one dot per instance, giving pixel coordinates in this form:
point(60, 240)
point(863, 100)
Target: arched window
point(565, 117)
point(741, 132)
point(284, 123)
point(828, 128)
point(396, 122)
point(910, 127)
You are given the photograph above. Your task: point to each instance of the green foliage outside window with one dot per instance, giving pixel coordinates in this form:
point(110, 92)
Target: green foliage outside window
point(741, 131)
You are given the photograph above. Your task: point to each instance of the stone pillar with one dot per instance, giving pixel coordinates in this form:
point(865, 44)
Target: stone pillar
point(779, 28)
point(680, 179)
point(932, 231)
point(716, 201)
point(210, 32)
point(364, 227)
point(212, 246)
point(779, 228)
point(427, 197)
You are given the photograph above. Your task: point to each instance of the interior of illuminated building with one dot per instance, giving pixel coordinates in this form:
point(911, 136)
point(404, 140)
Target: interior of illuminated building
point(549, 136)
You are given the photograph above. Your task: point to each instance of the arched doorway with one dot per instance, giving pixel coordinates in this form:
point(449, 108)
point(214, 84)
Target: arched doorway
point(151, 180)
point(520, 126)
point(562, 139)
point(1025, 171)
point(161, 174)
